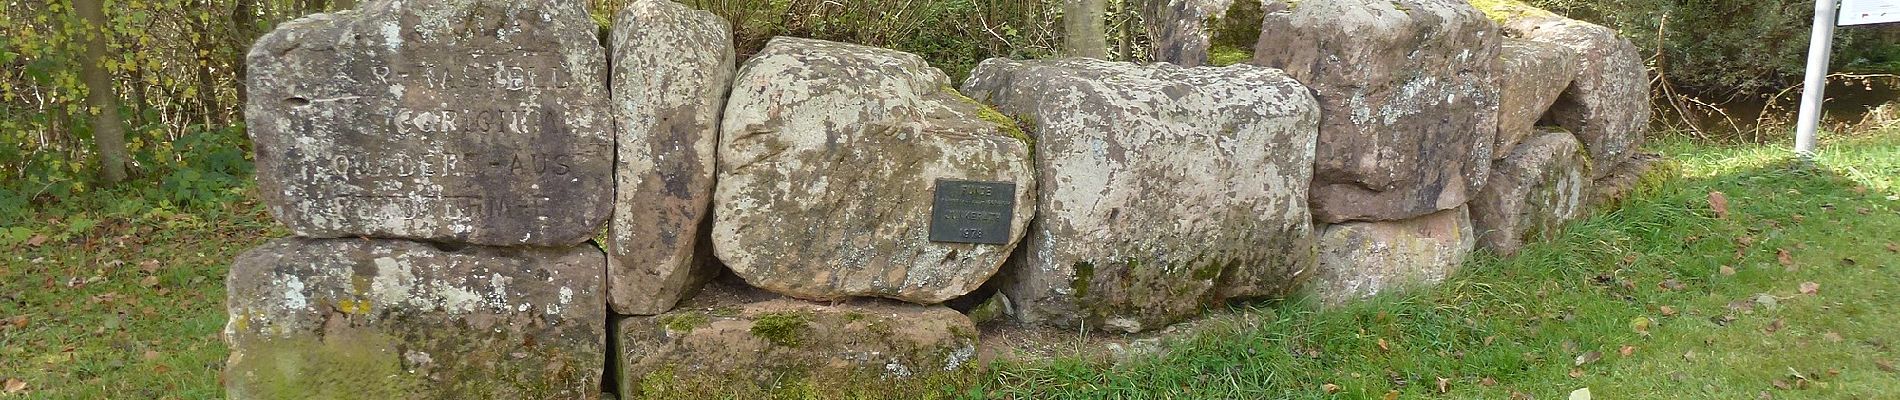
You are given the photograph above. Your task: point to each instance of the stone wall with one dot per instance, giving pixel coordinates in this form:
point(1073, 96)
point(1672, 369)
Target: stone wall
point(833, 208)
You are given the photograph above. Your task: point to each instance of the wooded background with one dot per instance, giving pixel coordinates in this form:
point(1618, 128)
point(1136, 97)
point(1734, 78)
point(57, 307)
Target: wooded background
point(96, 93)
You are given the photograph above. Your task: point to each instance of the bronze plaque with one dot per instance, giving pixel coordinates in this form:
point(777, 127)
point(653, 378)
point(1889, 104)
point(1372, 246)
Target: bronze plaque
point(972, 211)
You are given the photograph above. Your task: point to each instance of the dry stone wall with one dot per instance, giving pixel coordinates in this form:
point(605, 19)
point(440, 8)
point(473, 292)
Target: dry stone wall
point(829, 209)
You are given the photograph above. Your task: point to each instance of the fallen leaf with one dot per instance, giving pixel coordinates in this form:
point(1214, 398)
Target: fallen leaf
point(1678, 376)
point(1727, 270)
point(149, 266)
point(1516, 395)
point(1782, 256)
point(1884, 365)
point(1893, 247)
point(35, 241)
point(1849, 261)
point(1688, 356)
point(14, 385)
point(19, 321)
point(1774, 326)
point(1444, 385)
point(1640, 325)
point(1580, 394)
point(1576, 373)
point(1627, 350)
point(1670, 285)
point(151, 355)
point(1391, 395)
point(1589, 357)
point(1781, 384)
point(1384, 346)
point(1329, 388)
point(149, 281)
point(1832, 337)
point(1488, 382)
point(1764, 396)
point(1810, 288)
point(1719, 203)
point(1668, 311)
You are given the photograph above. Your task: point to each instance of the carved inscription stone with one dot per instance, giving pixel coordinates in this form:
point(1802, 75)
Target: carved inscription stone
point(1163, 190)
point(397, 319)
point(474, 121)
point(826, 161)
point(672, 68)
point(973, 212)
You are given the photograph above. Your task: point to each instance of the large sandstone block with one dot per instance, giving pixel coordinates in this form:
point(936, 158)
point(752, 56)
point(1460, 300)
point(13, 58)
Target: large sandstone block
point(1180, 29)
point(474, 121)
point(726, 336)
point(1532, 192)
point(1607, 105)
point(1163, 189)
point(1363, 259)
point(1530, 77)
point(392, 319)
point(828, 166)
point(672, 68)
point(1408, 98)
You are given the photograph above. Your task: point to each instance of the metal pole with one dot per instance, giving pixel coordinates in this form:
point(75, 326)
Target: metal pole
point(1820, 47)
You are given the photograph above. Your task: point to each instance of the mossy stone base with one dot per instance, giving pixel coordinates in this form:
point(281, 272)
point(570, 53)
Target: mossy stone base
point(391, 319)
point(731, 335)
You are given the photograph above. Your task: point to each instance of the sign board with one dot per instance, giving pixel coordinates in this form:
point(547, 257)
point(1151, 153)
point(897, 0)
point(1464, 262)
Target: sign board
point(1865, 12)
point(972, 211)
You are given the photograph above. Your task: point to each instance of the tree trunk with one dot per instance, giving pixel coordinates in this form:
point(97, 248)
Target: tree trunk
point(107, 130)
point(1084, 29)
point(244, 22)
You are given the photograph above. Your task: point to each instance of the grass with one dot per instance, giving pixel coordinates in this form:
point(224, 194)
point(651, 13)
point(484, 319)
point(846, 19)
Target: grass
point(131, 306)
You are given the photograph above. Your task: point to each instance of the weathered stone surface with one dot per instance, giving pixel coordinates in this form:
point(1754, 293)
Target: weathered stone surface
point(728, 335)
point(827, 165)
point(672, 68)
point(1643, 172)
point(475, 121)
point(393, 319)
point(1408, 97)
point(1362, 259)
point(1607, 106)
point(1530, 77)
point(1163, 189)
point(1532, 192)
point(1179, 29)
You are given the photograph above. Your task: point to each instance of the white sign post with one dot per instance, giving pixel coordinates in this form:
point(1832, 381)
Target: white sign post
point(1821, 47)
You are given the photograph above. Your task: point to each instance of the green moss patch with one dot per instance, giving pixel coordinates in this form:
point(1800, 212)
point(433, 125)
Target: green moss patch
point(785, 329)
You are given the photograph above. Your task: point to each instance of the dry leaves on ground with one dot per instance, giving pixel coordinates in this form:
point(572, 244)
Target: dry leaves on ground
point(1719, 203)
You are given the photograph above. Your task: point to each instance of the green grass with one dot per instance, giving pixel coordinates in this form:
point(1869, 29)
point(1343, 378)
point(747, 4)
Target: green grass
point(96, 329)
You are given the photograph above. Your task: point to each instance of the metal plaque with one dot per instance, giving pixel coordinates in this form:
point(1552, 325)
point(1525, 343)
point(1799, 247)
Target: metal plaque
point(972, 211)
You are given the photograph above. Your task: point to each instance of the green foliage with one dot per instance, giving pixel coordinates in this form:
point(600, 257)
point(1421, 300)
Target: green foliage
point(1732, 47)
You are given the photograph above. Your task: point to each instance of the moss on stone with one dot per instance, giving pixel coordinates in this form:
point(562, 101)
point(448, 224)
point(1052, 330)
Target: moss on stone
point(1084, 272)
point(1222, 56)
point(683, 322)
point(1004, 124)
point(785, 329)
point(1506, 10)
point(358, 366)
